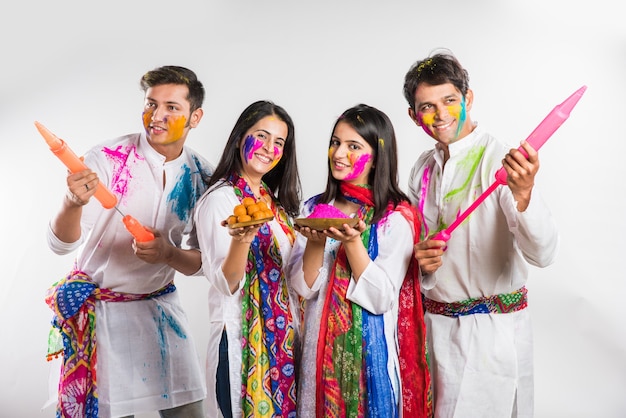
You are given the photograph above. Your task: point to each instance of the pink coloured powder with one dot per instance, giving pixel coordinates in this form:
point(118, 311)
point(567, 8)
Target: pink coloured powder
point(323, 210)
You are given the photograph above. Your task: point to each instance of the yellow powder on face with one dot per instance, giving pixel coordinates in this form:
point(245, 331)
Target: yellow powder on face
point(427, 118)
point(455, 110)
point(147, 117)
point(175, 128)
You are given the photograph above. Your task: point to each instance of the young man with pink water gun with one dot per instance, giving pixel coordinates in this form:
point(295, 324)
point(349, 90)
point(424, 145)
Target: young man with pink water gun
point(478, 323)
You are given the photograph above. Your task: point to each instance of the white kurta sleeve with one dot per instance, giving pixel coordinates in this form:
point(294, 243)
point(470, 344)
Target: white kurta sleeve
point(534, 229)
point(294, 271)
point(295, 274)
point(213, 238)
point(59, 247)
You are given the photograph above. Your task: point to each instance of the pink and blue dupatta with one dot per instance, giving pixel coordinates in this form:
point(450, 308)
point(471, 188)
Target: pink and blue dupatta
point(352, 354)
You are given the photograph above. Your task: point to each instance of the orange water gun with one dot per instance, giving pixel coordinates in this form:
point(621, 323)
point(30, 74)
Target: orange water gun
point(104, 195)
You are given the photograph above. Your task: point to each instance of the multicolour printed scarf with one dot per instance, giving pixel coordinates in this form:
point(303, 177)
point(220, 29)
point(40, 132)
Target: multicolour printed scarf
point(352, 376)
point(268, 369)
point(73, 301)
point(417, 398)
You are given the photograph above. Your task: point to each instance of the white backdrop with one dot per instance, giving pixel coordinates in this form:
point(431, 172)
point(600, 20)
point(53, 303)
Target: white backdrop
point(75, 66)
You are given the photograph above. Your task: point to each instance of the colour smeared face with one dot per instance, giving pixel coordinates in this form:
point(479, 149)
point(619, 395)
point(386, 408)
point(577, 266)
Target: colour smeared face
point(172, 127)
point(442, 111)
point(262, 146)
point(351, 157)
point(167, 115)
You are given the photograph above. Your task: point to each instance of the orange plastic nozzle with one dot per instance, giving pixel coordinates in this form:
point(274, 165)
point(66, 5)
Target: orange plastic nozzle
point(75, 164)
point(138, 231)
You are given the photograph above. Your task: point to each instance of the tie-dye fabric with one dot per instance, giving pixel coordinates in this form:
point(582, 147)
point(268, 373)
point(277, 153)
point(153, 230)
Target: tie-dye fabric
point(73, 334)
point(502, 303)
point(268, 369)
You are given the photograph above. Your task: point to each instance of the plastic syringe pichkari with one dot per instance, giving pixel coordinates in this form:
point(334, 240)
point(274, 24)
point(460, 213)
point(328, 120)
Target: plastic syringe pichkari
point(536, 139)
point(108, 200)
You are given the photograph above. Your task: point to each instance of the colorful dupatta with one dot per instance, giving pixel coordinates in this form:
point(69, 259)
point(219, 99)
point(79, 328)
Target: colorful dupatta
point(73, 334)
point(268, 369)
point(417, 400)
point(352, 377)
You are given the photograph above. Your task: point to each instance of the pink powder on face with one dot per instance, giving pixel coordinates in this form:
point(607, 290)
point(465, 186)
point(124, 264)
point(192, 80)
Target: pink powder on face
point(323, 210)
point(250, 145)
point(358, 165)
point(277, 156)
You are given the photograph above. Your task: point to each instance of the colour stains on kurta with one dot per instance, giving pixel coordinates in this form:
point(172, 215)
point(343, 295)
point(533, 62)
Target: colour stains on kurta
point(123, 158)
point(163, 322)
point(205, 176)
point(190, 185)
point(465, 171)
point(183, 197)
point(309, 205)
point(423, 193)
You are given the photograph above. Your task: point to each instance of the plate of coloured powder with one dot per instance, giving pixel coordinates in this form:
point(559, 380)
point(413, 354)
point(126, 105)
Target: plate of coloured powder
point(325, 216)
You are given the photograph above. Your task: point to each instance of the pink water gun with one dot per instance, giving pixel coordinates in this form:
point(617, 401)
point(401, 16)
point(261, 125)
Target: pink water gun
point(536, 139)
point(104, 195)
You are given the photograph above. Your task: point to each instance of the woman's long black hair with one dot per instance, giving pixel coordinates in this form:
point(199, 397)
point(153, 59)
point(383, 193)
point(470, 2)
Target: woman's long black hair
point(283, 180)
point(376, 128)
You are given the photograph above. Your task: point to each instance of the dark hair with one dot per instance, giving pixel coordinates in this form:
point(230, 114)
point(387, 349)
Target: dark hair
point(283, 180)
point(171, 74)
point(439, 68)
point(376, 128)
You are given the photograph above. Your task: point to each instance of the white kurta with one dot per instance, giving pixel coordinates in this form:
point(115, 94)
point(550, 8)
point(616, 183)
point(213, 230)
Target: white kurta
point(146, 355)
point(377, 291)
point(481, 364)
point(224, 307)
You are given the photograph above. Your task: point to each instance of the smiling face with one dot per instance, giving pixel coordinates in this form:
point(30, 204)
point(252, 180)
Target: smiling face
point(261, 148)
point(443, 112)
point(350, 156)
point(167, 117)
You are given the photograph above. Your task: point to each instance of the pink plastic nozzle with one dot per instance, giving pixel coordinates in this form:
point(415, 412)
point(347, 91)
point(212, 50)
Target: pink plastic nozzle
point(442, 235)
point(547, 127)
